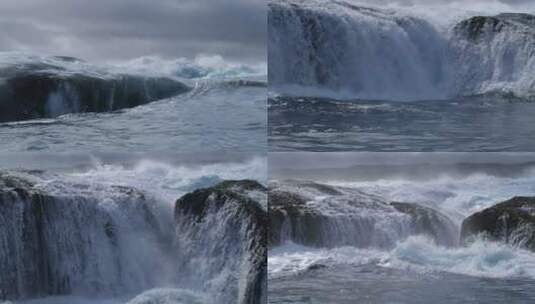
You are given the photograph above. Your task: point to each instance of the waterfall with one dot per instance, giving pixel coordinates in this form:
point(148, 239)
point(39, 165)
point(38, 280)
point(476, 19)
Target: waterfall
point(340, 50)
point(307, 214)
point(221, 241)
point(100, 241)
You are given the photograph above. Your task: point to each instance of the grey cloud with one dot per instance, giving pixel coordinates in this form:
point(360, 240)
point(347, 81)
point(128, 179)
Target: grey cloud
point(130, 28)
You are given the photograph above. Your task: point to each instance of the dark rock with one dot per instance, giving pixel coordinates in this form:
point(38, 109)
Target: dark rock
point(511, 221)
point(475, 28)
point(224, 226)
point(41, 90)
point(316, 267)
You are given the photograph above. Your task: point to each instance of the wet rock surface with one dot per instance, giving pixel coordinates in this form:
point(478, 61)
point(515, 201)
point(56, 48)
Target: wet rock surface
point(221, 233)
point(511, 221)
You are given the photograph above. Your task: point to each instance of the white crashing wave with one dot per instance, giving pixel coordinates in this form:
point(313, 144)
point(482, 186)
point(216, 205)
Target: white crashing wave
point(168, 296)
point(459, 195)
point(199, 68)
point(108, 232)
point(480, 259)
point(345, 50)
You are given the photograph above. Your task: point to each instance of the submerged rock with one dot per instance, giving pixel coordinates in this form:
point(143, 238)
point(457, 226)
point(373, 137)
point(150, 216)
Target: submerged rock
point(430, 222)
point(44, 89)
point(317, 215)
point(221, 240)
point(511, 221)
point(290, 219)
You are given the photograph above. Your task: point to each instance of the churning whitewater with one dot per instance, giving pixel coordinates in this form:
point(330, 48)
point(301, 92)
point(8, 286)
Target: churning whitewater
point(414, 235)
point(146, 232)
point(385, 54)
point(338, 69)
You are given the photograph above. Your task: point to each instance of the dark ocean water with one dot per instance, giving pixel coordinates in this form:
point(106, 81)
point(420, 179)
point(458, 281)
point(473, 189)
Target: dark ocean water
point(370, 284)
point(482, 124)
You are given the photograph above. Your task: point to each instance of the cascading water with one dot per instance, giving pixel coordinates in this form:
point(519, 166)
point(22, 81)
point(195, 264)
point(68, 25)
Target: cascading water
point(79, 239)
point(344, 50)
point(214, 227)
point(355, 51)
point(338, 70)
point(102, 235)
point(330, 236)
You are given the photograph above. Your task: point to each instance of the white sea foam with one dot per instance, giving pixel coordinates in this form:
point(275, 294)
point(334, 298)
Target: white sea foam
point(480, 259)
point(163, 180)
point(198, 68)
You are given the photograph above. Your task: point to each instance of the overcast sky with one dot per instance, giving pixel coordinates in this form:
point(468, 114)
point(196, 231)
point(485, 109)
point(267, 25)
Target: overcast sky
point(107, 30)
point(124, 29)
point(466, 2)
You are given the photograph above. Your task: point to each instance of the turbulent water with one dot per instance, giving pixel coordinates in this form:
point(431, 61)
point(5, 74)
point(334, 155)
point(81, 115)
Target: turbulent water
point(206, 102)
point(413, 266)
point(338, 71)
point(99, 162)
point(105, 233)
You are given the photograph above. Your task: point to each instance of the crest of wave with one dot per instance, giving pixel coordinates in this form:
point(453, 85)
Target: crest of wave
point(200, 67)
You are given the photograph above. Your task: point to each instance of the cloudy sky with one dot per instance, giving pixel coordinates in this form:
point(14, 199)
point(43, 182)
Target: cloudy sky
point(106, 30)
point(465, 2)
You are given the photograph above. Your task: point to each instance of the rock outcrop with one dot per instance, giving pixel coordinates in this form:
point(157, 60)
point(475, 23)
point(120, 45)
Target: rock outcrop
point(318, 215)
point(42, 90)
point(494, 56)
point(221, 240)
point(511, 221)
